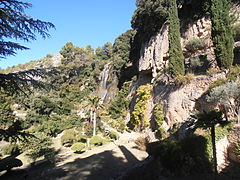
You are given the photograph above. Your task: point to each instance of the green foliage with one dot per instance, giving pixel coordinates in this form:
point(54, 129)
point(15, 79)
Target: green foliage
point(182, 158)
point(120, 105)
point(196, 44)
point(222, 34)
point(113, 135)
point(105, 52)
point(78, 147)
point(96, 141)
point(217, 83)
point(12, 150)
point(146, 15)
point(184, 79)
point(17, 25)
point(233, 75)
point(7, 116)
point(176, 58)
point(121, 52)
point(69, 137)
point(38, 146)
point(159, 119)
point(138, 119)
point(236, 32)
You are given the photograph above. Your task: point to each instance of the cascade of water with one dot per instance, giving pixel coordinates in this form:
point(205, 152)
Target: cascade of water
point(103, 84)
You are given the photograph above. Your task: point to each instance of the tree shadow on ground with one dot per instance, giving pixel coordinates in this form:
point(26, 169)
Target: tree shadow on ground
point(100, 166)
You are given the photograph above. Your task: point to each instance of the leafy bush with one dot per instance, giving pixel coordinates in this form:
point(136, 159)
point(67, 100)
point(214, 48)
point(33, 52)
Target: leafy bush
point(141, 143)
point(78, 147)
point(11, 149)
point(96, 141)
point(38, 146)
point(81, 138)
point(68, 137)
point(184, 79)
point(159, 119)
point(195, 44)
point(217, 83)
point(138, 119)
point(113, 135)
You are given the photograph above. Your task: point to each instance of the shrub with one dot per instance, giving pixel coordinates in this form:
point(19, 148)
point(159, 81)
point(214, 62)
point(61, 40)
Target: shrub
point(96, 141)
point(217, 83)
point(81, 138)
point(12, 149)
point(78, 147)
point(195, 44)
point(159, 119)
point(234, 73)
point(236, 32)
point(68, 137)
point(184, 79)
point(141, 143)
point(113, 135)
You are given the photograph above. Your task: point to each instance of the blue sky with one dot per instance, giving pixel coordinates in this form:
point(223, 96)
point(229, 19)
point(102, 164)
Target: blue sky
point(83, 22)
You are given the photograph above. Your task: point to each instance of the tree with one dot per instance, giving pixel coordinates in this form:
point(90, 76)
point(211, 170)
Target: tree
point(15, 24)
point(227, 97)
point(94, 103)
point(207, 120)
point(176, 58)
point(222, 35)
point(104, 52)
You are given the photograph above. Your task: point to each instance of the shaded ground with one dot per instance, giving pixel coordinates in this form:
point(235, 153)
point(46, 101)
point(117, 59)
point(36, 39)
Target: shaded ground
point(100, 163)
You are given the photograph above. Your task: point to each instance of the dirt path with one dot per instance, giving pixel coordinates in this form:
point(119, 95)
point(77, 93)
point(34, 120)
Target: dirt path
point(100, 163)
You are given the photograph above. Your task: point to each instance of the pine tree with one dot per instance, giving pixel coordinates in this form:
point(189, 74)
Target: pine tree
point(222, 35)
point(176, 60)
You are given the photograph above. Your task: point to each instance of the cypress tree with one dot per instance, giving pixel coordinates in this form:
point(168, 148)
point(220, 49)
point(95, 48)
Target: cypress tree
point(176, 60)
point(222, 35)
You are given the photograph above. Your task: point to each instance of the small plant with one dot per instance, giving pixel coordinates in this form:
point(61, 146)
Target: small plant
point(78, 147)
point(113, 135)
point(217, 83)
point(96, 141)
point(68, 137)
point(159, 118)
point(81, 138)
point(141, 143)
point(234, 73)
point(12, 149)
point(184, 79)
point(195, 44)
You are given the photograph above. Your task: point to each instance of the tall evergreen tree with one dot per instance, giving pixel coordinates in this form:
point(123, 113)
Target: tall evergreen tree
point(15, 24)
point(222, 35)
point(176, 60)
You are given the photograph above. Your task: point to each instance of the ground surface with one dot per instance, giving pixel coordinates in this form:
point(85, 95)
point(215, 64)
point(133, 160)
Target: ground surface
point(104, 162)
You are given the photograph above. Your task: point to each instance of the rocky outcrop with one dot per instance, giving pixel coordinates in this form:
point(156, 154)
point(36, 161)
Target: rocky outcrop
point(179, 101)
point(154, 53)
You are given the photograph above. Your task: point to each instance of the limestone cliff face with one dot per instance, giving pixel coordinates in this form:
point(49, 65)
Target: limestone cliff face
point(154, 53)
point(178, 101)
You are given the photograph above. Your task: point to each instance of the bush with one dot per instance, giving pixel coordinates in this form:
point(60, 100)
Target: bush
point(68, 137)
point(78, 147)
point(96, 141)
point(81, 138)
point(236, 32)
point(113, 135)
point(195, 44)
point(141, 143)
point(217, 83)
point(184, 79)
point(12, 149)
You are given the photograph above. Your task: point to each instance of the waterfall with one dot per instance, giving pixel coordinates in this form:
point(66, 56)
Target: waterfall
point(103, 84)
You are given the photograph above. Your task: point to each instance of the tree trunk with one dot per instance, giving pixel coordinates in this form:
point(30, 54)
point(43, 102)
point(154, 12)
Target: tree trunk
point(94, 123)
point(214, 148)
point(91, 115)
